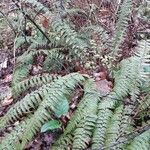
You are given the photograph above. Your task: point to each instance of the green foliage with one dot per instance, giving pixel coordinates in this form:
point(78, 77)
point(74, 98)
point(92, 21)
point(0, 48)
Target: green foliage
point(121, 25)
point(62, 108)
point(140, 142)
point(43, 101)
point(99, 121)
point(20, 73)
point(50, 125)
point(31, 82)
point(81, 125)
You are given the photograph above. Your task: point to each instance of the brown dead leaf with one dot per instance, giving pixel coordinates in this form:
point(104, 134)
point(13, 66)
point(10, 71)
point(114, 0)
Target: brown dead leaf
point(103, 86)
point(8, 78)
point(7, 101)
point(100, 76)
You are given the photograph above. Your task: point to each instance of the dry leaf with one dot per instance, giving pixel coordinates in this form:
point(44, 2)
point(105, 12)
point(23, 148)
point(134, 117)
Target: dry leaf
point(103, 86)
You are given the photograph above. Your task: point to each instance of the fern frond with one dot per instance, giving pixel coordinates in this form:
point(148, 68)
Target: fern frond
point(125, 126)
point(83, 119)
point(144, 104)
point(143, 54)
point(34, 124)
point(38, 6)
point(21, 40)
point(50, 104)
point(21, 72)
point(83, 132)
point(13, 137)
point(114, 126)
point(63, 142)
point(34, 81)
point(103, 118)
point(121, 25)
point(70, 37)
point(141, 142)
point(34, 99)
point(89, 100)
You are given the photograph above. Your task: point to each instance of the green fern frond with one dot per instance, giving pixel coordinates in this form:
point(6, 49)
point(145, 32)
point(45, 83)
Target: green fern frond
point(114, 126)
point(97, 30)
point(84, 129)
point(83, 132)
point(34, 81)
point(70, 37)
point(34, 124)
point(125, 126)
point(20, 73)
point(63, 142)
point(10, 139)
point(21, 40)
point(54, 56)
point(83, 119)
point(143, 54)
point(144, 104)
point(141, 142)
point(145, 86)
point(103, 118)
point(121, 25)
point(89, 100)
point(126, 81)
point(34, 99)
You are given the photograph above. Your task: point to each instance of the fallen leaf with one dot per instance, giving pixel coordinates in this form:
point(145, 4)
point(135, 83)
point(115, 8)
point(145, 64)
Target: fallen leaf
point(7, 101)
point(103, 86)
point(8, 78)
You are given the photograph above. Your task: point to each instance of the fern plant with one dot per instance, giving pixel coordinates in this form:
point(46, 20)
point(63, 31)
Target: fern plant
point(42, 101)
point(121, 25)
point(99, 122)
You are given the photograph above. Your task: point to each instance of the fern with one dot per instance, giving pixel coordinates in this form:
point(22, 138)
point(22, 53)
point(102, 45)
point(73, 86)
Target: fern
point(99, 121)
point(34, 99)
point(24, 62)
point(31, 82)
point(127, 81)
point(82, 120)
point(70, 37)
point(145, 103)
point(84, 129)
point(103, 118)
point(8, 143)
point(121, 25)
point(140, 142)
point(21, 72)
point(114, 126)
point(38, 6)
point(125, 126)
point(83, 132)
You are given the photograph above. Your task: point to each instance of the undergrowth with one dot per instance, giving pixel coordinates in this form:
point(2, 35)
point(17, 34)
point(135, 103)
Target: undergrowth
point(99, 121)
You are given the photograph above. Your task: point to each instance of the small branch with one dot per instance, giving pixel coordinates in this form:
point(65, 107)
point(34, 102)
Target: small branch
point(32, 21)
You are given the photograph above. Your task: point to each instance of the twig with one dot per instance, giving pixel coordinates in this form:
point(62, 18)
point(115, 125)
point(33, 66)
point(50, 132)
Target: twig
point(31, 20)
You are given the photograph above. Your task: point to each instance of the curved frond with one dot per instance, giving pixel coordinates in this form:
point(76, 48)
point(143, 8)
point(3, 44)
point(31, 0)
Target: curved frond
point(82, 120)
point(34, 81)
point(140, 142)
point(33, 100)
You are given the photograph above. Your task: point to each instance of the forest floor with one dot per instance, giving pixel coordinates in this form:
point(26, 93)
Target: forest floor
point(7, 63)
